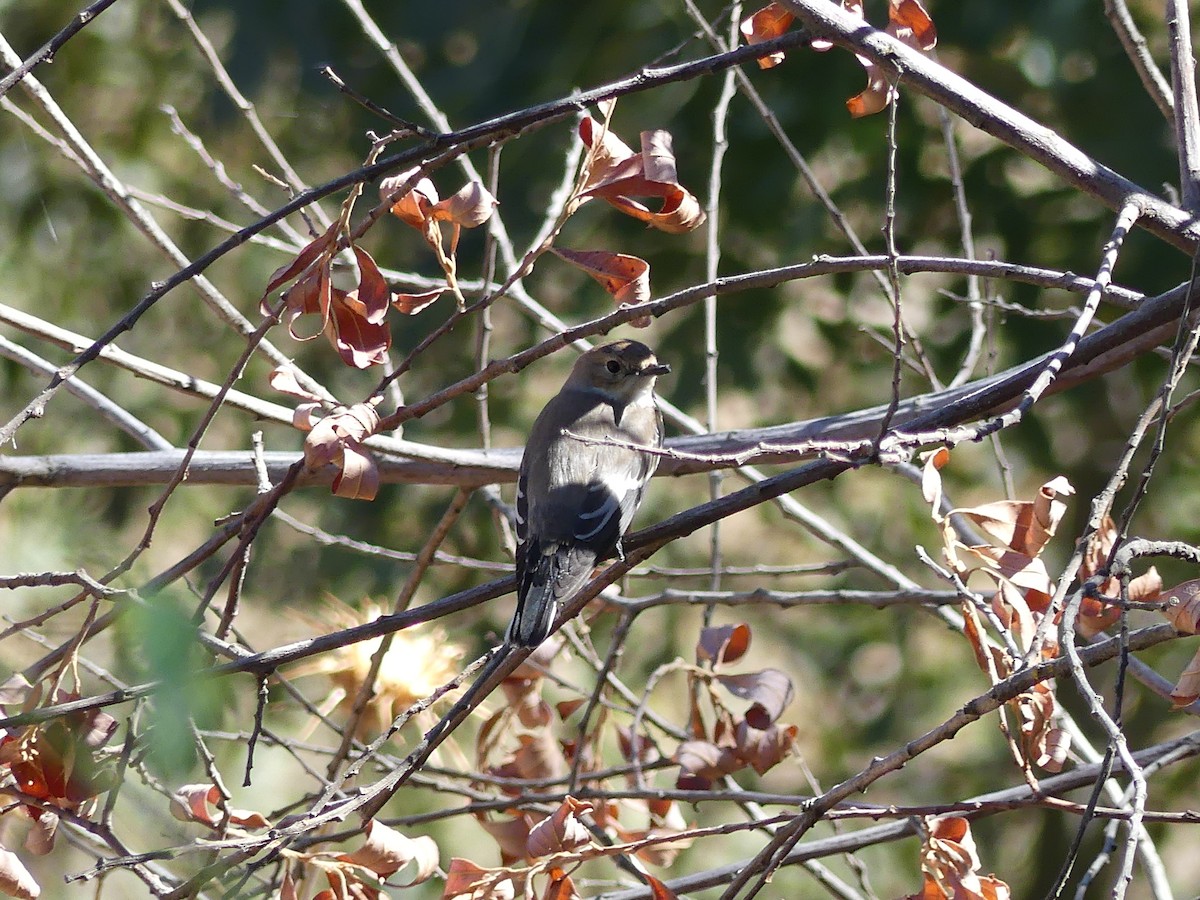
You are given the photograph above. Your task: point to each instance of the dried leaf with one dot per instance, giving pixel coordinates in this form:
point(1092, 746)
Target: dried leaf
point(15, 690)
point(950, 865)
point(373, 292)
point(411, 304)
point(386, 851)
point(564, 831)
point(337, 440)
point(769, 22)
point(1023, 525)
point(770, 691)
point(539, 756)
point(283, 379)
point(15, 880)
point(195, 803)
point(1187, 688)
point(511, 833)
point(202, 802)
point(723, 644)
point(40, 839)
point(931, 479)
point(315, 248)
point(470, 207)
point(413, 206)
point(1183, 606)
point(616, 178)
point(658, 890)
point(360, 342)
point(703, 762)
point(763, 749)
point(627, 278)
point(467, 881)
point(909, 22)
point(560, 887)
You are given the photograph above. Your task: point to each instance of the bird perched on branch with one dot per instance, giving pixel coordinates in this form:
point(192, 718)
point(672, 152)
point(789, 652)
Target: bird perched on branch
point(582, 478)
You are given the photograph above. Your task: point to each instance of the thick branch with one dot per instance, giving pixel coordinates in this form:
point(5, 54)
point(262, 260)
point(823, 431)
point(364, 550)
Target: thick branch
point(829, 21)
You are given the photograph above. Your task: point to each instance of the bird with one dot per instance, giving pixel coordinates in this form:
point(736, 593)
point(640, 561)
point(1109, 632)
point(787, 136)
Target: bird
point(582, 478)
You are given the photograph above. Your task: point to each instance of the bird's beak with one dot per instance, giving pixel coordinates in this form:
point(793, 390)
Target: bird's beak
point(656, 369)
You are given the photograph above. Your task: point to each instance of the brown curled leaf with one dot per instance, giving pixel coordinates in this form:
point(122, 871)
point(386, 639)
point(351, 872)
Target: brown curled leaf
point(627, 278)
point(337, 440)
point(386, 851)
point(617, 175)
point(467, 881)
point(763, 749)
point(321, 245)
point(1183, 606)
point(564, 831)
point(1187, 689)
point(770, 691)
point(723, 644)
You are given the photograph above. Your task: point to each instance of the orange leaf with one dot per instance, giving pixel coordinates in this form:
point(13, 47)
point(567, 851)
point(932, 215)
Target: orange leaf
point(769, 22)
point(411, 304)
point(413, 206)
point(627, 278)
point(658, 890)
point(908, 21)
point(723, 643)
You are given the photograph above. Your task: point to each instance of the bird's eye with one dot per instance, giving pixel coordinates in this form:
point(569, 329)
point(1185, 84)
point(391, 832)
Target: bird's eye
point(613, 366)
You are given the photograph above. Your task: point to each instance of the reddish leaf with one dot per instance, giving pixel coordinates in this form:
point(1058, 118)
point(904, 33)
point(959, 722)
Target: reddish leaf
point(337, 440)
point(562, 831)
point(769, 22)
point(305, 258)
point(411, 304)
point(769, 690)
point(658, 890)
point(373, 292)
point(627, 278)
point(723, 644)
point(763, 749)
point(616, 175)
point(360, 342)
point(560, 887)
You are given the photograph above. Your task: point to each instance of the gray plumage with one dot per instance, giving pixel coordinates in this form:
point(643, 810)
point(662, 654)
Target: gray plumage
point(575, 499)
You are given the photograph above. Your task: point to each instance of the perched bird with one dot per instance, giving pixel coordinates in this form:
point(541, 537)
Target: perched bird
point(576, 498)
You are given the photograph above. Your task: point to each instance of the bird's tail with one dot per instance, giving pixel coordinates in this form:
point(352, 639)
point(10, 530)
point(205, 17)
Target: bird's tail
point(548, 576)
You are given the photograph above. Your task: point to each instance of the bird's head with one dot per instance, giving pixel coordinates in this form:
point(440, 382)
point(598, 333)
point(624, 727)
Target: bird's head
point(623, 370)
